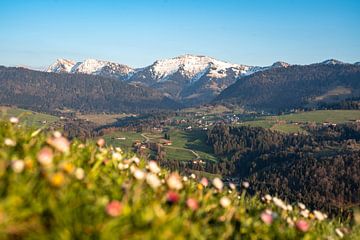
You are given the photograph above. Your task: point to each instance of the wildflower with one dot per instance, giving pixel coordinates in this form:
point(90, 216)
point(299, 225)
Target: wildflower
point(305, 213)
point(193, 176)
point(122, 166)
point(302, 225)
point(268, 197)
point(192, 203)
point(100, 142)
point(116, 156)
point(79, 173)
point(28, 163)
point(339, 233)
point(319, 215)
point(172, 197)
point(266, 218)
point(68, 167)
point(114, 208)
point(57, 134)
point(232, 186)
point(57, 180)
point(18, 166)
point(225, 202)
point(81, 145)
point(59, 143)
point(185, 178)
point(200, 186)
point(204, 182)
point(138, 174)
point(118, 150)
point(279, 203)
point(246, 184)
point(9, 142)
point(174, 182)
point(289, 207)
point(153, 180)
point(14, 120)
point(45, 156)
point(153, 167)
point(301, 206)
point(218, 183)
point(135, 159)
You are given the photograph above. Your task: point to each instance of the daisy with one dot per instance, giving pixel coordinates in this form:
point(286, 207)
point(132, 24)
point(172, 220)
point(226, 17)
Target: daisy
point(225, 202)
point(218, 183)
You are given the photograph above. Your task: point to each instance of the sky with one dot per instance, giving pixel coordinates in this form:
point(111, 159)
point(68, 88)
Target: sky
point(35, 33)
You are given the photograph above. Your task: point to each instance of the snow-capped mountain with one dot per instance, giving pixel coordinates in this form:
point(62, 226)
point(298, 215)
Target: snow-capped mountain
point(192, 67)
point(61, 66)
point(332, 62)
point(92, 66)
point(187, 78)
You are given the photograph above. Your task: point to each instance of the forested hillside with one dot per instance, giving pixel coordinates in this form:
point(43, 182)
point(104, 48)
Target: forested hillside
point(85, 93)
point(296, 86)
point(320, 168)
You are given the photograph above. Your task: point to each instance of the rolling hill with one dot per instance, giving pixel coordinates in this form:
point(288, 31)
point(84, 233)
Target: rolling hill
point(50, 92)
point(294, 87)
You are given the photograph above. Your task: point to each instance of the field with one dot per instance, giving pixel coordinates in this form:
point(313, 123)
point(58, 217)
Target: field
point(102, 119)
point(126, 143)
point(291, 123)
point(27, 117)
point(185, 145)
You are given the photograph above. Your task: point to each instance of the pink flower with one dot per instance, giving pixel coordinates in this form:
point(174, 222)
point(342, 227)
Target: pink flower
point(266, 218)
point(192, 204)
point(172, 197)
point(302, 225)
point(100, 142)
point(59, 143)
point(114, 208)
point(204, 182)
point(45, 156)
point(174, 181)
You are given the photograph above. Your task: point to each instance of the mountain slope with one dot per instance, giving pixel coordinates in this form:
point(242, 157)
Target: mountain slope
point(191, 79)
point(295, 86)
point(92, 66)
point(87, 93)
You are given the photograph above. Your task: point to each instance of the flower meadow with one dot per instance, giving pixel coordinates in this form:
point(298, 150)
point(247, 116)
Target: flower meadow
point(51, 188)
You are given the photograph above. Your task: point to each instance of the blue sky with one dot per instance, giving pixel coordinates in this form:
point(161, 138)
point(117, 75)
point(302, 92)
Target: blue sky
point(137, 32)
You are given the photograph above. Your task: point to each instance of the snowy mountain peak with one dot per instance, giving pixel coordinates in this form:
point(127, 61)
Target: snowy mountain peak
point(280, 64)
point(61, 66)
point(332, 62)
point(190, 66)
point(92, 66)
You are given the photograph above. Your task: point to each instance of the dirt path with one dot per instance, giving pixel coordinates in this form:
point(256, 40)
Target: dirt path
point(197, 156)
point(185, 149)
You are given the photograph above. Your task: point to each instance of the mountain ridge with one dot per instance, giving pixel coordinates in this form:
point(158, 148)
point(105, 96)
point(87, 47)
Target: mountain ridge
point(191, 79)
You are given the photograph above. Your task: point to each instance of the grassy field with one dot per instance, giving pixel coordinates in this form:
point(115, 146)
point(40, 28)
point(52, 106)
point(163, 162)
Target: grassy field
point(102, 119)
point(194, 140)
point(291, 123)
point(27, 117)
point(185, 145)
point(130, 137)
point(320, 116)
